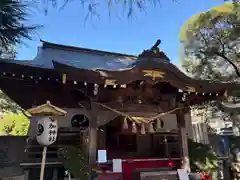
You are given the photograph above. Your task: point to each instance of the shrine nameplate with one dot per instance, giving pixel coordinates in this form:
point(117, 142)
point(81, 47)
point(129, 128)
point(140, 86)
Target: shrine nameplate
point(164, 175)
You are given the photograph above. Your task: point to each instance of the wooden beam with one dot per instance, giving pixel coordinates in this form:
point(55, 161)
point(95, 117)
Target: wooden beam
point(92, 146)
point(183, 140)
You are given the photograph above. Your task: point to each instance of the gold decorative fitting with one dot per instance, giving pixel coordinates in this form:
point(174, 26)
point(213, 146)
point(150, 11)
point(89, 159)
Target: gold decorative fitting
point(143, 131)
point(150, 128)
point(64, 78)
point(125, 123)
point(191, 89)
point(110, 82)
point(153, 74)
point(134, 127)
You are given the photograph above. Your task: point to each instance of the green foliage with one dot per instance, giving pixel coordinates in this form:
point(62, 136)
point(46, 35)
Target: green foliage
point(8, 105)
point(210, 49)
point(210, 43)
point(14, 124)
point(203, 157)
point(74, 160)
point(13, 27)
point(8, 54)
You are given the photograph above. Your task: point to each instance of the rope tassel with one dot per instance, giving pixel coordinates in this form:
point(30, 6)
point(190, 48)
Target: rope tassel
point(159, 126)
point(125, 123)
point(150, 128)
point(143, 129)
point(134, 127)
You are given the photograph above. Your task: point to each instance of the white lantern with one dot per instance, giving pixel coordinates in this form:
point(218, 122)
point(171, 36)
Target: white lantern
point(47, 129)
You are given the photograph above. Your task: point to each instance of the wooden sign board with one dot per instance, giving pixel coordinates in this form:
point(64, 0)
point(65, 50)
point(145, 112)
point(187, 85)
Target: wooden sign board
point(162, 175)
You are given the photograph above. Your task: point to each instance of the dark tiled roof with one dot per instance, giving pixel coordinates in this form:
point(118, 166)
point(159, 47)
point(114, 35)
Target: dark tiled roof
point(79, 49)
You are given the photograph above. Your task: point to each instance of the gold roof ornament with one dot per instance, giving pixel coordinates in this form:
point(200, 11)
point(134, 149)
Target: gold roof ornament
point(110, 82)
point(47, 109)
point(154, 74)
point(191, 89)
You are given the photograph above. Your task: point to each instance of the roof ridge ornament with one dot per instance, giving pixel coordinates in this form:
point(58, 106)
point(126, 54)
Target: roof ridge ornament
point(154, 52)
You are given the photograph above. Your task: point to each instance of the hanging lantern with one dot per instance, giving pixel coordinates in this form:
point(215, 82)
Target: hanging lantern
point(143, 131)
point(47, 129)
point(125, 123)
point(47, 126)
point(150, 128)
point(134, 127)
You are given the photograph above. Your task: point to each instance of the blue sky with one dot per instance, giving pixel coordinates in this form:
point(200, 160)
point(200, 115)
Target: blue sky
point(115, 33)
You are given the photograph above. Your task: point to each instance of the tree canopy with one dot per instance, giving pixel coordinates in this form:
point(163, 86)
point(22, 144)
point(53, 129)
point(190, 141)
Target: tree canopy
point(14, 124)
point(210, 43)
point(13, 26)
point(210, 49)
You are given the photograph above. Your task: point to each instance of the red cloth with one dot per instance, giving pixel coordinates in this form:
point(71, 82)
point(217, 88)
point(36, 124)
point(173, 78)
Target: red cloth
point(130, 165)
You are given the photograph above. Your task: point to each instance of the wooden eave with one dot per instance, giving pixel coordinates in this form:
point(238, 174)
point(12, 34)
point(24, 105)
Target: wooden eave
point(164, 72)
point(23, 71)
point(167, 72)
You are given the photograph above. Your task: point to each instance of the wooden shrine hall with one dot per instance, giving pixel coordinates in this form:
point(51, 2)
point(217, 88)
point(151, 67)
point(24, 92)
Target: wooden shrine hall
point(137, 108)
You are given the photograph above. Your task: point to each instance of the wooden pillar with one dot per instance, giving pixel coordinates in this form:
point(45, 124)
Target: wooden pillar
point(92, 146)
point(55, 174)
point(26, 174)
point(102, 138)
point(183, 140)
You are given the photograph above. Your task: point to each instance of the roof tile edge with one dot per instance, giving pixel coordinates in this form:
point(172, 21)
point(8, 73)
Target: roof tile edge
point(85, 50)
